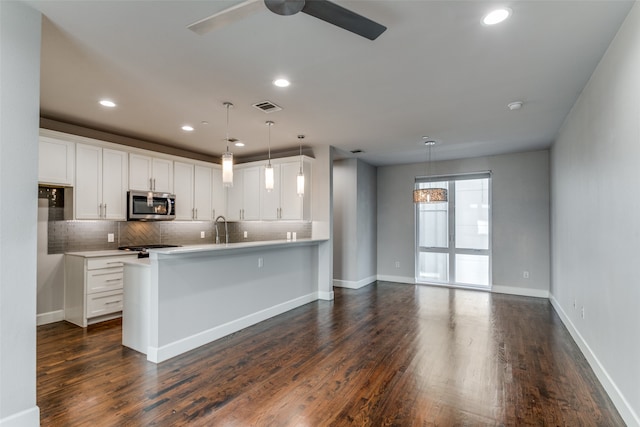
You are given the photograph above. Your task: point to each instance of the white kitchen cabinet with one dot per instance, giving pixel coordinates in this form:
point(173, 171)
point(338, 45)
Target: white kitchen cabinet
point(219, 194)
point(93, 288)
point(193, 186)
point(101, 183)
point(150, 173)
point(56, 161)
point(243, 202)
point(283, 202)
point(183, 189)
point(270, 200)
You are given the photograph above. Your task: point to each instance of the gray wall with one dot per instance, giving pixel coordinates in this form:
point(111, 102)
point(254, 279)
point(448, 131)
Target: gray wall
point(355, 225)
point(520, 219)
point(19, 106)
point(596, 223)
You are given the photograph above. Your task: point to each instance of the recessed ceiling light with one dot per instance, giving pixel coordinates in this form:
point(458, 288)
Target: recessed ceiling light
point(187, 128)
point(515, 105)
point(496, 16)
point(107, 103)
point(239, 144)
point(281, 82)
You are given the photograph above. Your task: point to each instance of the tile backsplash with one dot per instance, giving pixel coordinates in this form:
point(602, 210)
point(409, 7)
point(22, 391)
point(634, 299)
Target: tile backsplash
point(75, 236)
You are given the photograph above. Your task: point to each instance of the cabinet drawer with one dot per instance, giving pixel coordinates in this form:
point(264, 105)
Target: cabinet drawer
point(104, 280)
point(97, 263)
point(104, 303)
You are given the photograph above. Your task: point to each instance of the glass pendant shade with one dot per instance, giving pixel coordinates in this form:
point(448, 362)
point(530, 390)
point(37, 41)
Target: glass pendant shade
point(300, 184)
point(430, 195)
point(227, 169)
point(268, 177)
point(150, 198)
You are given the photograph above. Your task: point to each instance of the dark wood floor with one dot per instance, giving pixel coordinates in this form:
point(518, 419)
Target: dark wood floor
point(384, 355)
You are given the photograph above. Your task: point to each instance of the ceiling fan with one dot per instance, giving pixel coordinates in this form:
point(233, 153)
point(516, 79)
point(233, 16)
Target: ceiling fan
point(321, 9)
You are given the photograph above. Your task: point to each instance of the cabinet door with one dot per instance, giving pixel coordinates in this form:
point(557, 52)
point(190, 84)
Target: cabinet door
point(235, 196)
point(56, 161)
point(162, 174)
point(294, 207)
point(183, 187)
point(114, 184)
point(251, 194)
point(88, 189)
point(202, 188)
point(270, 200)
point(219, 194)
point(140, 172)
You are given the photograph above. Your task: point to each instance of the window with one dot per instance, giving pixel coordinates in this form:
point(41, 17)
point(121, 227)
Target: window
point(453, 238)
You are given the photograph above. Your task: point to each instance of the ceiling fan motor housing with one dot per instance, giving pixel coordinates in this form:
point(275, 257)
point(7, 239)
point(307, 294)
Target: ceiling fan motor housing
point(284, 7)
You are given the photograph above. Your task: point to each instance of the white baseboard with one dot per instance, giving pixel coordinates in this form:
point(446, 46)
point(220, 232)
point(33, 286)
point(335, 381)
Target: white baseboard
point(326, 296)
point(27, 418)
point(160, 354)
point(622, 405)
point(354, 284)
point(50, 317)
point(397, 279)
point(525, 292)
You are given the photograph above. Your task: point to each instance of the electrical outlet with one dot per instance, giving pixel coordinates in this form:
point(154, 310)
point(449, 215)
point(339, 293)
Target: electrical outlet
point(525, 274)
point(397, 264)
point(246, 235)
point(260, 262)
point(202, 234)
point(110, 237)
point(575, 304)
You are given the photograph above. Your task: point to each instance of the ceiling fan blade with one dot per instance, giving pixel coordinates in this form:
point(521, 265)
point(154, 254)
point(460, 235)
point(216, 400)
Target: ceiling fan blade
point(226, 16)
point(343, 18)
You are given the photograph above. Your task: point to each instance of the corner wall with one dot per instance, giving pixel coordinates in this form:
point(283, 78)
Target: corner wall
point(19, 108)
point(520, 219)
point(595, 175)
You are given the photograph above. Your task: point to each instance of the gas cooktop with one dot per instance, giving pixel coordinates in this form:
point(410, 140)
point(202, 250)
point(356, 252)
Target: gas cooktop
point(142, 249)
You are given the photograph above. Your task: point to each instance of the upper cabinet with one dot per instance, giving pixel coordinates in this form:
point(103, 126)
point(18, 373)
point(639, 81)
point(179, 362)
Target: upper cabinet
point(193, 187)
point(283, 202)
point(243, 198)
point(150, 173)
point(101, 184)
point(56, 161)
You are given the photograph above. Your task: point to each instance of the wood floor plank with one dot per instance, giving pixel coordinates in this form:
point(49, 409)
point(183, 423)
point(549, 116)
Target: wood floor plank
point(384, 355)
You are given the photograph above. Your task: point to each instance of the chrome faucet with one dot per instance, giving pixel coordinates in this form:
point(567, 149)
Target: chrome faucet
point(226, 229)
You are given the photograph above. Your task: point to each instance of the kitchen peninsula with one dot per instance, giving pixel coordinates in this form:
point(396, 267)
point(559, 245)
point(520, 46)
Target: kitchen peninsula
point(182, 298)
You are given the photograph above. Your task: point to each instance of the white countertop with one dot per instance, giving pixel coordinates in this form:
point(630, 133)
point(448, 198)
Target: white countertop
point(232, 246)
point(187, 249)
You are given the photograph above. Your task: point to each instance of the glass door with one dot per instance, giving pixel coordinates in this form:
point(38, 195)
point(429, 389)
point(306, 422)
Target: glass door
point(453, 238)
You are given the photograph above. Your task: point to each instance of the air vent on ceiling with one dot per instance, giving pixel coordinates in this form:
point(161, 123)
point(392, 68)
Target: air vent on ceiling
point(267, 106)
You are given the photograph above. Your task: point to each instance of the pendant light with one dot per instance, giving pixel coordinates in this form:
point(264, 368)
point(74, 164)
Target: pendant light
point(268, 170)
point(429, 195)
point(300, 177)
point(227, 157)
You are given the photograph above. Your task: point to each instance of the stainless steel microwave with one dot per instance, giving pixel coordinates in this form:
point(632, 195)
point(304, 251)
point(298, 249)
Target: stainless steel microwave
point(150, 206)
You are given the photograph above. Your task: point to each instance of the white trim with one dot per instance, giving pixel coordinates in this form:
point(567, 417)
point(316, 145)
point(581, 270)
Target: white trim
point(50, 317)
point(354, 284)
point(26, 418)
point(622, 405)
point(397, 279)
point(525, 292)
point(326, 296)
point(160, 354)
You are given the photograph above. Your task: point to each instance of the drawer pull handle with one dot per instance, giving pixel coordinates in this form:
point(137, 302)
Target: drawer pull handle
point(114, 280)
point(108, 273)
point(113, 302)
point(115, 262)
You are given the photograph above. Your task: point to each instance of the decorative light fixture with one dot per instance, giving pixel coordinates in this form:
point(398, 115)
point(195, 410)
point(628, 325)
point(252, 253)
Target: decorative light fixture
point(300, 177)
point(227, 157)
point(429, 195)
point(268, 170)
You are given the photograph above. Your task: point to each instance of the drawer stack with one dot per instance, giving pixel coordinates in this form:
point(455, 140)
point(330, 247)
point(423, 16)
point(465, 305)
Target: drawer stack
point(93, 288)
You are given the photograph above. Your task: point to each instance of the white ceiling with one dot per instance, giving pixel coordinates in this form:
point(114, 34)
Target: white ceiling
point(436, 71)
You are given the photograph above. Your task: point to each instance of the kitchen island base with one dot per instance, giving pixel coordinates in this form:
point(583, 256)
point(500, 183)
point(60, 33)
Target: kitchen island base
point(197, 295)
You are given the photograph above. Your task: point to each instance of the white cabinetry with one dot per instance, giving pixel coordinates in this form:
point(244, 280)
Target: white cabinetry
point(93, 288)
point(56, 161)
point(193, 187)
point(243, 201)
point(150, 173)
point(101, 183)
point(283, 201)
